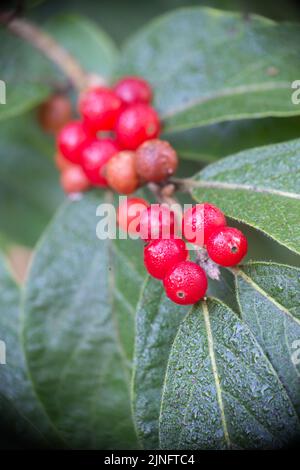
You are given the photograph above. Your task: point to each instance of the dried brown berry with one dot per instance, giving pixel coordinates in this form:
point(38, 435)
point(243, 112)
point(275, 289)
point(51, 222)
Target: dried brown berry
point(156, 160)
point(54, 113)
point(121, 174)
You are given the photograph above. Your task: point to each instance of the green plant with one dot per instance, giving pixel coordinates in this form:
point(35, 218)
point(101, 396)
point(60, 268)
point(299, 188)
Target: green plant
point(104, 359)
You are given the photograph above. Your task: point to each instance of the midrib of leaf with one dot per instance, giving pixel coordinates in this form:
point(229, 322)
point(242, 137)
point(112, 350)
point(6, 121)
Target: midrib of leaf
point(22, 341)
point(240, 186)
point(118, 343)
point(108, 198)
point(85, 280)
point(215, 371)
point(239, 272)
point(239, 90)
point(112, 288)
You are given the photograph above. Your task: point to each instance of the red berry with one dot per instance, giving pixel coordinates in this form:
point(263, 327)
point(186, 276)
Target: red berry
point(137, 123)
point(71, 139)
point(185, 283)
point(155, 160)
point(129, 214)
point(161, 255)
point(95, 154)
point(100, 108)
point(133, 90)
point(200, 221)
point(74, 180)
point(54, 113)
point(227, 246)
point(158, 221)
point(121, 174)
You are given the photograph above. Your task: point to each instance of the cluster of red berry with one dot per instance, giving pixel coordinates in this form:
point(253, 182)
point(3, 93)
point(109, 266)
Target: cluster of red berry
point(165, 254)
point(115, 143)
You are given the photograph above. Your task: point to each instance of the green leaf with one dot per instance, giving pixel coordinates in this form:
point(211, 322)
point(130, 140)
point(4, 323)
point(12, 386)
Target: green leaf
point(29, 189)
point(129, 274)
point(30, 77)
point(220, 390)
point(76, 353)
point(209, 143)
point(89, 44)
point(268, 295)
point(23, 421)
point(260, 187)
point(157, 321)
point(208, 66)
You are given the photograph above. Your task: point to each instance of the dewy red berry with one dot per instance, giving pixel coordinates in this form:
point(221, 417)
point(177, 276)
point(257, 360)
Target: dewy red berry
point(136, 124)
point(161, 255)
point(129, 214)
point(121, 174)
point(74, 180)
point(158, 221)
point(227, 246)
point(70, 140)
point(133, 90)
point(156, 160)
point(185, 283)
point(95, 154)
point(199, 222)
point(99, 108)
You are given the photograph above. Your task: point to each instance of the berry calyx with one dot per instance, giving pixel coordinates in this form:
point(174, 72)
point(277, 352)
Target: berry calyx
point(161, 255)
point(54, 113)
point(136, 124)
point(227, 246)
point(71, 139)
point(129, 214)
point(133, 90)
point(95, 154)
point(74, 180)
point(158, 221)
point(156, 160)
point(121, 174)
point(99, 108)
point(185, 283)
point(200, 221)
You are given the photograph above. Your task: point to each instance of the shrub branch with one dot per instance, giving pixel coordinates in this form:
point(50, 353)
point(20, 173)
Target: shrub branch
point(51, 49)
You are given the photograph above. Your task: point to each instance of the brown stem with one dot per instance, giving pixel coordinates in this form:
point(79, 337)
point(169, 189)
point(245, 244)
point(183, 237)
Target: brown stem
point(51, 49)
point(163, 194)
point(181, 184)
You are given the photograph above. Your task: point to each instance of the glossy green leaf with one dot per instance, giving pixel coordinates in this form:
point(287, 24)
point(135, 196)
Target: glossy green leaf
point(29, 181)
point(157, 321)
point(208, 66)
point(23, 420)
point(209, 143)
point(30, 77)
point(260, 187)
point(220, 390)
point(269, 299)
point(129, 275)
point(75, 346)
